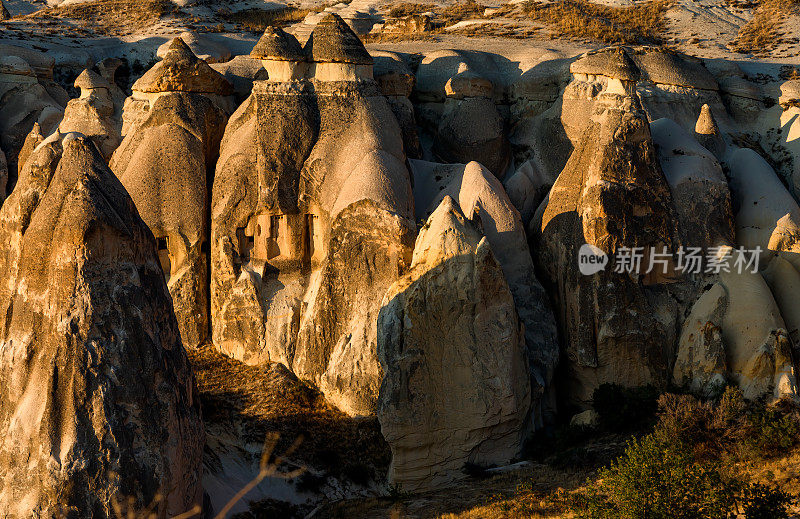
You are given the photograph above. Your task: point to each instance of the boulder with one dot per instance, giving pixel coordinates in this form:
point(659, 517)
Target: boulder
point(707, 132)
point(459, 139)
point(311, 223)
point(181, 71)
point(204, 46)
point(455, 390)
point(166, 162)
point(615, 327)
point(98, 405)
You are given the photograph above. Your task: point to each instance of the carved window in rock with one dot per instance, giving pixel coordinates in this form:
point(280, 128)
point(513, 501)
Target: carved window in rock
point(279, 237)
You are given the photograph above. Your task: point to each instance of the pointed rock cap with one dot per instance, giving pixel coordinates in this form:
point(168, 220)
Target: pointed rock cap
point(333, 41)
point(4, 14)
point(88, 80)
point(15, 66)
point(613, 62)
point(182, 71)
point(278, 45)
point(706, 124)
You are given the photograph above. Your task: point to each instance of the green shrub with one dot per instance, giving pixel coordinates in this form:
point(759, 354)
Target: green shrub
point(658, 479)
point(774, 432)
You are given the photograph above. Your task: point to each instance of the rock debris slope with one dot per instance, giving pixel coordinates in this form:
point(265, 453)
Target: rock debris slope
point(98, 402)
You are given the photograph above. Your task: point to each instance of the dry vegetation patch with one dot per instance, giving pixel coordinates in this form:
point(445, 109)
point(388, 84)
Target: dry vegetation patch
point(643, 22)
point(256, 20)
point(263, 400)
point(762, 32)
point(111, 17)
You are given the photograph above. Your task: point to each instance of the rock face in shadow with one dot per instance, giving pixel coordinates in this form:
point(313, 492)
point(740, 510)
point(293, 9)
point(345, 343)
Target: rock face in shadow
point(616, 328)
point(166, 162)
point(98, 402)
point(455, 389)
point(311, 223)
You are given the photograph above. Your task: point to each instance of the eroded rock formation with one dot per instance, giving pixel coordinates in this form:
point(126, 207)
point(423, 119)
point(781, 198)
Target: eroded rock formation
point(456, 387)
point(166, 162)
point(311, 218)
point(617, 327)
point(97, 400)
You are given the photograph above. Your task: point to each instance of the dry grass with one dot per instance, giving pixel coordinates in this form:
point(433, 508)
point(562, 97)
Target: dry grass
point(762, 33)
point(407, 9)
point(262, 400)
point(459, 11)
point(110, 17)
point(256, 20)
point(640, 23)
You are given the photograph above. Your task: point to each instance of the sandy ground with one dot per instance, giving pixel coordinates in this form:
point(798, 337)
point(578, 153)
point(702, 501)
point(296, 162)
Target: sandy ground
point(703, 28)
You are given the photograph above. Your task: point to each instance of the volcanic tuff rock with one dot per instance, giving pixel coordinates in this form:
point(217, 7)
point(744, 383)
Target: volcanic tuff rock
point(735, 333)
point(611, 194)
point(311, 223)
point(25, 101)
point(699, 187)
point(455, 388)
point(3, 176)
point(481, 197)
point(94, 113)
point(396, 82)
point(181, 71)
point(166, 162)
point(98, 402)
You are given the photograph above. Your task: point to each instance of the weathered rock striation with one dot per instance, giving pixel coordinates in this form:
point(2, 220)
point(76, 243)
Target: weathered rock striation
point(455, 387)
point(98, 403)
point(311, 222)
point(616, 327)
point(166, 162)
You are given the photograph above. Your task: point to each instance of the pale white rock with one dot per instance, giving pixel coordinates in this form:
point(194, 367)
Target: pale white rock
point(698, 184)
point(767, 215)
